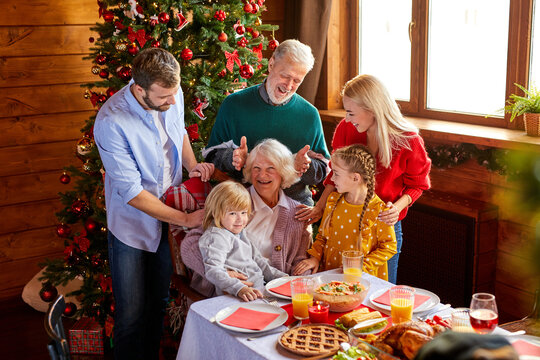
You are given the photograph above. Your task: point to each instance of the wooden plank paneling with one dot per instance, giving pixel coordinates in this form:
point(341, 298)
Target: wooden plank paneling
point(517, 272)
point(26, 159)
point(31, 187)
point(38, 100)
point(27, 130)
point(45, 70)
point(32, 243)
point(45, 40)
point(28, 216)
point(512, 303)
point(15, 274)
point(38, 12)
point(516, 239)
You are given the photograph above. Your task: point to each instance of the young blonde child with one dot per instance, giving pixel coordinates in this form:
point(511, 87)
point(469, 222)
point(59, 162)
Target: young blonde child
point(224, 245)
point(351, 217)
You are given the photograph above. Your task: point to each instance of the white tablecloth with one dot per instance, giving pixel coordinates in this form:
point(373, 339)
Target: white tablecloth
point(203, 339)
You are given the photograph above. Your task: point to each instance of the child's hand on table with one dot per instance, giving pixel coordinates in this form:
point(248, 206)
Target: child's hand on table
point(248, 294)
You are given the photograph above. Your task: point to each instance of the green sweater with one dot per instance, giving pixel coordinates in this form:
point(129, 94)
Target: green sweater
point(244, 113)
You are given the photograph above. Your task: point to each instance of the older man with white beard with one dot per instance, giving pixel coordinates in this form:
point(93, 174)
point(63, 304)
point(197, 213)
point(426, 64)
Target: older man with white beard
point(273, 110)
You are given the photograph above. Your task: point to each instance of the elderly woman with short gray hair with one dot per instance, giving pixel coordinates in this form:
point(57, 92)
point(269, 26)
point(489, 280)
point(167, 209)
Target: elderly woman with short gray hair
point(272, 229)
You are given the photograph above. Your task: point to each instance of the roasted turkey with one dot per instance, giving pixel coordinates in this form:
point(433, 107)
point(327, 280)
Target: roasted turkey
point(405, 339)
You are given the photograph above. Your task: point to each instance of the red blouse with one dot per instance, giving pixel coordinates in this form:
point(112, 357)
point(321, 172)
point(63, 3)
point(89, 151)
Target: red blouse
point(408, 172)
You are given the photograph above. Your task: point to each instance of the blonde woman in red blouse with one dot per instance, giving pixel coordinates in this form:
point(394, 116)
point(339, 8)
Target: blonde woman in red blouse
point(374, 119)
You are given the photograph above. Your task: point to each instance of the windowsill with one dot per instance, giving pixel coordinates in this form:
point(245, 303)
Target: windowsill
point(458, 132)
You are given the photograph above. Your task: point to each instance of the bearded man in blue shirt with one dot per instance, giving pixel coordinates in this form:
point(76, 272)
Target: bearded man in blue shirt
point(143, 144)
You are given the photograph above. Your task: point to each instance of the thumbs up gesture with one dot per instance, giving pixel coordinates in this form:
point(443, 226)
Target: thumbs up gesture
point(240, 154)
point(302, 160)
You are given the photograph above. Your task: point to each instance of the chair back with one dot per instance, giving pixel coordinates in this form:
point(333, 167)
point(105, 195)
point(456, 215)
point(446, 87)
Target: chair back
point(58, 347)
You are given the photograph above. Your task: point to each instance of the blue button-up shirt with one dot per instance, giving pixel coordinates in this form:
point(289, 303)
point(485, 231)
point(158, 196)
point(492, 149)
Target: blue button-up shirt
point(130, 148)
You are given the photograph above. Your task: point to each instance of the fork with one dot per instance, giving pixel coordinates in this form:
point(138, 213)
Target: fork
point(270, 301)
point(431, 313)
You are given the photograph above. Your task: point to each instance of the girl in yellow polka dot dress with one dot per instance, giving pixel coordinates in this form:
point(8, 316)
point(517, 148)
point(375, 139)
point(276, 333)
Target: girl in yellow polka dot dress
point(350, 217)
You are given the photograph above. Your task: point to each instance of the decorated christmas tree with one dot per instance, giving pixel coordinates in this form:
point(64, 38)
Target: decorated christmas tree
point(219, 46)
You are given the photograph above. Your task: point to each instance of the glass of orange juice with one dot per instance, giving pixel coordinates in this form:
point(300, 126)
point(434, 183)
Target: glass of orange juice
point(401, 303)
point(352, 261)
point(302, 297)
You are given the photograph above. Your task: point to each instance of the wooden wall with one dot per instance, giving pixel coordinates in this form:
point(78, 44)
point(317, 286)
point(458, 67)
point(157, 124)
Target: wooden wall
point(42, 109)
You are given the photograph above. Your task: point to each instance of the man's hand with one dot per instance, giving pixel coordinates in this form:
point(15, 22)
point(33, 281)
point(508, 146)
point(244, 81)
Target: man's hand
point(302, 160)
point(202, 170)
point(305, 265)
point(248, 293)
point(239, 276)
point(240, 154)
point(194, 219)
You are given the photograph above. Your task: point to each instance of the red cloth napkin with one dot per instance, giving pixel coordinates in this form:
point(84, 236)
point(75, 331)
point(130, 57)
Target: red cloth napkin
point(526, 348)
point(249, 319)
point(384, 299)
point(284, 289)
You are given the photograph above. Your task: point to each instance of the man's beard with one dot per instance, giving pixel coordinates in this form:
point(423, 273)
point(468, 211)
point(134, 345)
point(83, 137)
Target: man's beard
point(153, 106)
point(270, 91)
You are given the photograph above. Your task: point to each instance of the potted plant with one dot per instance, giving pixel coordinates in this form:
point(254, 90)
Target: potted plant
point(528, 105)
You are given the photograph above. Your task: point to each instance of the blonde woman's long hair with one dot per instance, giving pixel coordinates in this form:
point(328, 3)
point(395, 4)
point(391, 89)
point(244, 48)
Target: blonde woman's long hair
point(369, 93)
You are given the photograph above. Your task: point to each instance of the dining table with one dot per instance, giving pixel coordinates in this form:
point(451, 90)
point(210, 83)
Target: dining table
point(203, 338)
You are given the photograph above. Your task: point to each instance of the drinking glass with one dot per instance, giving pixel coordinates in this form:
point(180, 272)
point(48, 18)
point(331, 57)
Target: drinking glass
point(484, 315)
point(401, 303)
point(302, 297)
point(352, 261)
point(461, 320)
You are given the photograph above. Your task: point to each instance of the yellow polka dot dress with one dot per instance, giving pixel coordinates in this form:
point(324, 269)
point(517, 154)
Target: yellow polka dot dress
point(378, 239)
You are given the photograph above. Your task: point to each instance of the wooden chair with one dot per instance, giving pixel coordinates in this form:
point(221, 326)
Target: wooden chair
point(58, 347)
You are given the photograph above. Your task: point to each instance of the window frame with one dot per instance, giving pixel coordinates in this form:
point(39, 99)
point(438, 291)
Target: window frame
point(341, 62)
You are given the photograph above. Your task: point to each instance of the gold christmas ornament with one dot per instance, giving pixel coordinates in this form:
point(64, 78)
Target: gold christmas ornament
point(95, 69)
point(258, 22)
point(120, 46)
point(84, 146)
point(87, 94)
point(87, 166)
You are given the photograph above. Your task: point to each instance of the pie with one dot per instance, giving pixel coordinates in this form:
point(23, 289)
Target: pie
point(313, 339)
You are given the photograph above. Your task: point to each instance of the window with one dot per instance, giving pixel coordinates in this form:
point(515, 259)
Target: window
point(453, 60)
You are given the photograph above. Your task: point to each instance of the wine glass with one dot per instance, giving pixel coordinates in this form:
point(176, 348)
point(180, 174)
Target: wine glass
point(484, 315)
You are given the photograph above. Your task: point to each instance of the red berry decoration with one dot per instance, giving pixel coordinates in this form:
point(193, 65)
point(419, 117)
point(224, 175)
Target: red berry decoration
point(124, 73)
point(48, 292)
point(222, 37)
point(240, 29)
point(273, 44)
point(164, 18)
point(186, 54)
point(101, 59)
point(248, 8)
point(65, 179)
point(133, 49)
point(70, 309)
point(104, 74)
point(156, 43)
point(242, 42)
point(246, 71)
point(220, 15)
point(62, 230)
point(222, 73)
point(108, 16)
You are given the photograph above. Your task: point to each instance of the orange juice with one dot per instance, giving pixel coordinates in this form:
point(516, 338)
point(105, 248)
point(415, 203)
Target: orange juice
point(401, 310)
point(300, 303)
point(351, 274)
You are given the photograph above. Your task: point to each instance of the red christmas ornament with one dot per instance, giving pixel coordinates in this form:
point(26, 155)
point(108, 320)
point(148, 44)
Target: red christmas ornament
point(110, 92)
point(222, 73)
point(254, 8)
point(101, 59)
point(242, 42)
point(62, 230)
point(108, 16)
point(248, 8)
point(156, 43)
point(220, 15)
point(90, 225)
point(104, 74)
point(101, 99)
point(70, 309)
point(222, 37)
point(124, 73)
point(273, 44)
point(240, 29)
point(255, 33)
point(133, 49)
point(91, 39)
point(246, 71)
point(65, 179)
point(186, 54)
point(80, 208)
point(48, 292)
point(164, 18)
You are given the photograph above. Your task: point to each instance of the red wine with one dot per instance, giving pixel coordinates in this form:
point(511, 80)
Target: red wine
point(484, 321)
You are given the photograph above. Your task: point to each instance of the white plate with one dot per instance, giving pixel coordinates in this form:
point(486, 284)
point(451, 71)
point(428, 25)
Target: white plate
point(428, 305)
point(280, 320)
point(277, 282)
